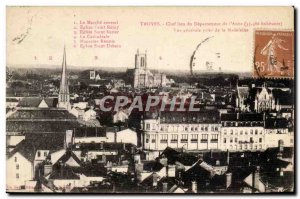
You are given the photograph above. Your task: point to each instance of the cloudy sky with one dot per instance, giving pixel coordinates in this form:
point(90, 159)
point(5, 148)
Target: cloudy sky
point(35, 33)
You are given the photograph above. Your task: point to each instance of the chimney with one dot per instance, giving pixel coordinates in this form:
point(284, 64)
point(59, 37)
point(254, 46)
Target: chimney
point(61, 168)
point(104, 158)
point(200, 156)
point(228, 179)
point(280, 146)
point(165, 187)
point(47, 169)
point(132, 150)
point(194, 187)
point(281, 172)
point(155, 179)
point(227, 157)
point(115, 133)
point(256, 177)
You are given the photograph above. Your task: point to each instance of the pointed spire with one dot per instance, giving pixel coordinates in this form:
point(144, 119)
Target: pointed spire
point(63, 97)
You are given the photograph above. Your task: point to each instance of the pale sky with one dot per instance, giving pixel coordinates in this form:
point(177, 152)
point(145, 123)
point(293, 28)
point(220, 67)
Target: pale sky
point(47, 29)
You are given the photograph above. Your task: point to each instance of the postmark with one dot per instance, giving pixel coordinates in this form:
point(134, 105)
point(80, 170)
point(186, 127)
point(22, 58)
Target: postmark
point(273, 54)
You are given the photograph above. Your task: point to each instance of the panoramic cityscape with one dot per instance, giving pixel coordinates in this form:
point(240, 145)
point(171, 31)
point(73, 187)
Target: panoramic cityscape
point(148, 131)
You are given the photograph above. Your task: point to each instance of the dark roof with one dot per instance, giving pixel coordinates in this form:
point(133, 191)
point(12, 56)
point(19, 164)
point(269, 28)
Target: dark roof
point(198, 174)
point(275, 123)
point(242, 117)
point(152, 166)
point(212, 158)
point(90, 132)
point(35, 101)
point(36, 113)
point(69, 154)
point(106, 146)
point(11, 100)
point(207, 116)
point(284, 97)
point(62, 173)
point(174, 156)
point(287, 152)
point(40, 126)
point(34, 142)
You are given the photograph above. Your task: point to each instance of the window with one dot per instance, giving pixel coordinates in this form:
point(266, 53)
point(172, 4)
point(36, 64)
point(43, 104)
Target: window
point(260, 140)
point(192, 129)
point(251, 132)
point(204, 138)
point(163, 138)
point(246, 132)
point(251, 140)
point(224, 140)
point(241, 132)
point(17, 166)
point(153, 140)
point(231, 140)
point(196, 128)
point(231, 132)
point(256, 132)
point(214, 138)
point(186, 128)
point(202, 128)
point(225, 131)
point(147, 126)
point(235, 140)
point(16, 159)
point(184, 138)
point(212, 128)
point(174, 138)
point(194, 138)
point(39, 154)
point(206, 128)
point(17, 176)
point(45, 154)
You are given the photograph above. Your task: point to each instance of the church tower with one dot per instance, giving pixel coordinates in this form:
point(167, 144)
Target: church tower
point(64, 96)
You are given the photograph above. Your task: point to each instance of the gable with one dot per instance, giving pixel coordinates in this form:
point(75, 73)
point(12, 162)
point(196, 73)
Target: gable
point(43, 104)
point(72, 163)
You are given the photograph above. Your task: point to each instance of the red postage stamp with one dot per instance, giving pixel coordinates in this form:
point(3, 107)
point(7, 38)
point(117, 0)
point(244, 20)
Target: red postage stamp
point(274, 54)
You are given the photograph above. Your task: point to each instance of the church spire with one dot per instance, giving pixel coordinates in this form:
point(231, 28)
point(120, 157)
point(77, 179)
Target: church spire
point(64, 97)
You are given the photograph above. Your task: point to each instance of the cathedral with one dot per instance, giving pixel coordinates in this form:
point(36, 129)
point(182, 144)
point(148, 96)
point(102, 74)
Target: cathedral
point(142, 76)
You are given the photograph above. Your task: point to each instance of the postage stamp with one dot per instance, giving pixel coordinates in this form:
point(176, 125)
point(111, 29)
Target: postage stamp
point(274, 54)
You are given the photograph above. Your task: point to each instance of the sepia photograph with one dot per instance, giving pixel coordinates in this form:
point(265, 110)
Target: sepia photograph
point(150, 100)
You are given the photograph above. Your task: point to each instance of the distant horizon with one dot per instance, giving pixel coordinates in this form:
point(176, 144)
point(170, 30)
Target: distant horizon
point(76, 67)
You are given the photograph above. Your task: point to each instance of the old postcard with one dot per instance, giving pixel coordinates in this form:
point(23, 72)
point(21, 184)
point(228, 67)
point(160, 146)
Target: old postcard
point(170, 100)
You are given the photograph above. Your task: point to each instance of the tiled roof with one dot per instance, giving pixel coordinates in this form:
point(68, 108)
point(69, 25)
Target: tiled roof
point(35, 113)
point(40, 126)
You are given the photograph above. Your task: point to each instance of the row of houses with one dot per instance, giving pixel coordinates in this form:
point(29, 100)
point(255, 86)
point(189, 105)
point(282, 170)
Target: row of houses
point(207, 130)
